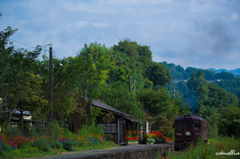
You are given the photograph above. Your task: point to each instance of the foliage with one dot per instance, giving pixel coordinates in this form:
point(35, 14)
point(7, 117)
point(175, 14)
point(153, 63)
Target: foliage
point(17, 67)
point(159, 74)
point(68, 145)
point(41, 144)
point(118, 96)
point(154, 101)
point(229, 121)
point(232, 86)
point(54, 130)
point(200, 150)
point(57, 145)
point(212, 126)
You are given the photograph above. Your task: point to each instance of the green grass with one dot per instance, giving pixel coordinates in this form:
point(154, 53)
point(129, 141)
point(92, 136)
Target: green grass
point(34, 152)
point(225, 144)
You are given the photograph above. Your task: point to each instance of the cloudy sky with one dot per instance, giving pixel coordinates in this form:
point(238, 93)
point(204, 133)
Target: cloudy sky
point(191, 33)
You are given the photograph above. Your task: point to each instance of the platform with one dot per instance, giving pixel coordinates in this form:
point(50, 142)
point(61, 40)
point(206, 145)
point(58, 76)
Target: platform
point(142, 151)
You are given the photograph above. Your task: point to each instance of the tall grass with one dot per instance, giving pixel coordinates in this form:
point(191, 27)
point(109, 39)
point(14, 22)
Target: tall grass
point(202, 151)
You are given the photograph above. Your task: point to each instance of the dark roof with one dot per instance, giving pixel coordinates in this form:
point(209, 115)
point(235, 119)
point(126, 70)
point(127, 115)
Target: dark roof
point(195, 117)
point(106, 107)
point(133, 120)
point(18, 113)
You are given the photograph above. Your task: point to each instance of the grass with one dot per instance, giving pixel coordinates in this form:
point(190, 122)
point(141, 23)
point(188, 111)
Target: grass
point(34, 152)
point(201, 151)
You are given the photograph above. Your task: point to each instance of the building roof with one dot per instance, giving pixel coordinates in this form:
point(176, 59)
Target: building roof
point(18, 113)
point(133, 120)
point(106, 107)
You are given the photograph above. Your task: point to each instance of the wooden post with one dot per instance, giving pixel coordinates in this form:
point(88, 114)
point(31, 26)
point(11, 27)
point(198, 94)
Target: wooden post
point(50, 84)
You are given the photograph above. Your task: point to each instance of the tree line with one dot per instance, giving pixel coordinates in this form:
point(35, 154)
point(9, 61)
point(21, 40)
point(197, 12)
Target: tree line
point(98, 72)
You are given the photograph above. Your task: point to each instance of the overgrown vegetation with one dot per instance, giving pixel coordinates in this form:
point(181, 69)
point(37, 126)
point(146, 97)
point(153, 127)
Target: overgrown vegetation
point(41, 144)
point(217, 145)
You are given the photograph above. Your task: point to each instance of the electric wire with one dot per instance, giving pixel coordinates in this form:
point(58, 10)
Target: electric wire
point(26, 44)
point(32, 46)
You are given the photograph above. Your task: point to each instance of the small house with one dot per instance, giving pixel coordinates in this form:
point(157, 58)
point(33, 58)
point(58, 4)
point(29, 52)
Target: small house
point(117, 128)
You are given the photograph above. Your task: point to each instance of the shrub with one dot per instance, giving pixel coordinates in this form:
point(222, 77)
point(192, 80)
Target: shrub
point(4, 147)
point(20, 140)
point(68, 145)
point(149, 136)
point(108, 136)
point(155, 137)
point(54, 130)
point(41, 144)
point(92, 129)
point(57, 145)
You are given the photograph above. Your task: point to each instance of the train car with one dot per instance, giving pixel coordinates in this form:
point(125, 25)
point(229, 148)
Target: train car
point(189, 128)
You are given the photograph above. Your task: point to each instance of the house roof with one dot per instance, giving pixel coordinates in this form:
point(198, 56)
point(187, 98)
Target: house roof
point(106, 107)
point(133, 120)
point(18, 113)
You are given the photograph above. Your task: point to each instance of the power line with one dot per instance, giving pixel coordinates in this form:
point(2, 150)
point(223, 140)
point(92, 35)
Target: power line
point(26, 44)
point(22, 43)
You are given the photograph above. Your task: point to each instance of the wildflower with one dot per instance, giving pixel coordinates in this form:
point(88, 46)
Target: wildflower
point(197, 156)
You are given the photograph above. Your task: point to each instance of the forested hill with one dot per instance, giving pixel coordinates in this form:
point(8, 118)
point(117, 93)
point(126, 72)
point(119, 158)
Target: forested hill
point(179, 73)
point(235, 71)
point(224, 79)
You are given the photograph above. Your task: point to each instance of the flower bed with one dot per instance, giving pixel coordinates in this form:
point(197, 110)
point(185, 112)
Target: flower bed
point(158, 138)
point(49, 143)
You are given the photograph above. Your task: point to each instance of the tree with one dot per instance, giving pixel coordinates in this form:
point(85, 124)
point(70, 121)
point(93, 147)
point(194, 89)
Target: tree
point(225, 76)
point(16, 72)
point(159, 74)
point(229, 121)
point(155, 102)
point(92, 78)
point(117, 95)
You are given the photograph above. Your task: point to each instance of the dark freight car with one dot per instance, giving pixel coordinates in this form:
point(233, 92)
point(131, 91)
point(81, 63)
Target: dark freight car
point(189, 128)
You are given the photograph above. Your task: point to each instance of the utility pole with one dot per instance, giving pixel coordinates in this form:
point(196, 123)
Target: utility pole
point(50, 83)
point(129, 84)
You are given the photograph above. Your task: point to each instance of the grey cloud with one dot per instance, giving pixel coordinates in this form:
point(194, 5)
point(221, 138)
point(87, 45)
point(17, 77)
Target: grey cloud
point(212, 37)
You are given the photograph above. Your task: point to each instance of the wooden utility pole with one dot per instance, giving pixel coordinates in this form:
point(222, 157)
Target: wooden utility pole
point(130, 84)
point(50, 84)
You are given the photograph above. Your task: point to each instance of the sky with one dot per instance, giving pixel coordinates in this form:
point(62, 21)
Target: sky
point(191, 33)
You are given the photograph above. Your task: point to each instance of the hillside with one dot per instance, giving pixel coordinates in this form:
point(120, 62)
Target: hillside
point(235, 71)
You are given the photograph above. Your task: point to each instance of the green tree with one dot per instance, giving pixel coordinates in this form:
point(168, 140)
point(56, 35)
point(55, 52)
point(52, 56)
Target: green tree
point(159, 74)
point(92, 78)
point(117, 95)
point(225, 76)
point(16, 69)
point(229, 121)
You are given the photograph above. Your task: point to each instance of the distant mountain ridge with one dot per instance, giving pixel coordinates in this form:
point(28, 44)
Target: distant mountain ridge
point(235, 71)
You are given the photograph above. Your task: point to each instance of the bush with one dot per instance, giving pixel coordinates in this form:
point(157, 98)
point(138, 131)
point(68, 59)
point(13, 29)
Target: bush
point(54, 130)
point(155, 137)
point(41, 144)
point(108, 137)
point(149, 136)
point(68, 145)
point(92, 129)
point(4, 147)
point(57, 145)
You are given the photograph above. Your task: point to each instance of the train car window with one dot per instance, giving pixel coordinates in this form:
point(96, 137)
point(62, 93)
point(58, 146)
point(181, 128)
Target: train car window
point(179, 125)
point(187, 125)
point(197, 125)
